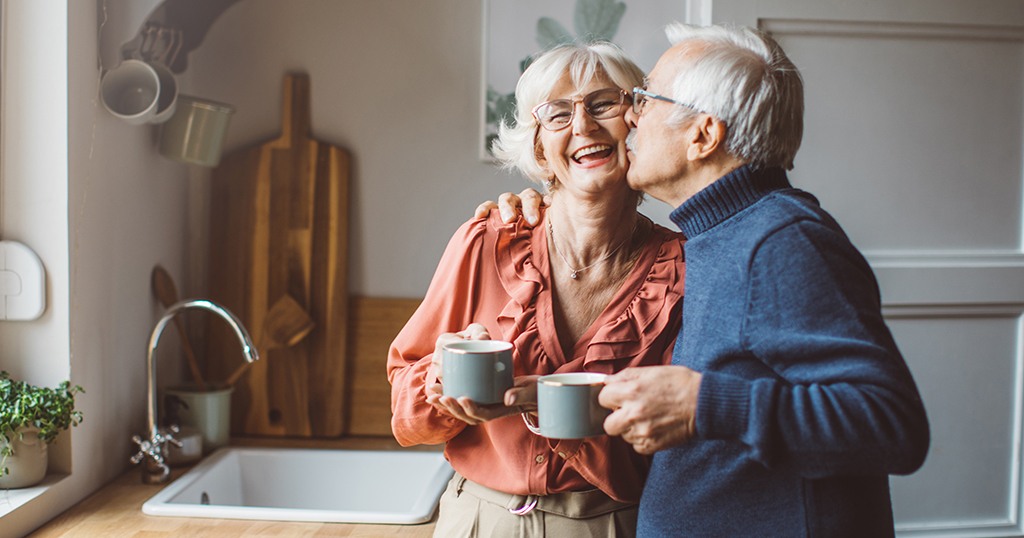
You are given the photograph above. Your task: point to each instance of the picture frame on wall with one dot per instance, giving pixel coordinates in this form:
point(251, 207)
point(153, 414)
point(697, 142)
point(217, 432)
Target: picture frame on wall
point(516, 30)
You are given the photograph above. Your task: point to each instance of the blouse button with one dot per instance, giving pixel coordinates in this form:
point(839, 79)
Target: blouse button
point(540, 458)
point(561, 455)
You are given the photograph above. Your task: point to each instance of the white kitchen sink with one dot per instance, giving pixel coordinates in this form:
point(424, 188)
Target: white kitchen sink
point(336, 486)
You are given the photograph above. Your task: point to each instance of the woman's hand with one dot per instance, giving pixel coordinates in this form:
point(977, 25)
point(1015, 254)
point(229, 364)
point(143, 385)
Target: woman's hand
point(521, 398)
point(527, 203)
point(474, 331)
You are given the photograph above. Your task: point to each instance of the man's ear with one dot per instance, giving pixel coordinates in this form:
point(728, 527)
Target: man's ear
point(706, 136)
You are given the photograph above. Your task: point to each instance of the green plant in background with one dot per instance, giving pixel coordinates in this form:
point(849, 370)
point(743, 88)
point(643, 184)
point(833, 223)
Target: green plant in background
point(25, 405)
point(592, 20)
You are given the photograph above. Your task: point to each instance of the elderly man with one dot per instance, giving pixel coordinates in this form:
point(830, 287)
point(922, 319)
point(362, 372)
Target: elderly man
point(787, 404)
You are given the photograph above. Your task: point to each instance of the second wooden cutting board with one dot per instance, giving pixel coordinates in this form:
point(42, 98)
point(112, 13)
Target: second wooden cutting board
point(279, 236)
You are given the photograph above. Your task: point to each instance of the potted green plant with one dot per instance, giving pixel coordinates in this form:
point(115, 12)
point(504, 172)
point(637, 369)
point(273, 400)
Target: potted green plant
point(30, 419)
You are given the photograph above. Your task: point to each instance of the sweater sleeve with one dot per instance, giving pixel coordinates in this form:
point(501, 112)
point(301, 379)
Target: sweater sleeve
point(447, 307)
point(841, 399)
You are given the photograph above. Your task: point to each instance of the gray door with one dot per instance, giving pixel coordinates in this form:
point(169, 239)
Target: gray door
point(913, 141)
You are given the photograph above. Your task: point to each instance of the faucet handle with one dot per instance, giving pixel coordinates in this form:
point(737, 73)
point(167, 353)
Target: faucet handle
point(147, 447)
point(169, 436)
point(151, 451)
point(153, 447)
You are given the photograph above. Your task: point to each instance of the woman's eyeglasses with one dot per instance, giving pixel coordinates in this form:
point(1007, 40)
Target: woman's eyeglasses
point(601, 104)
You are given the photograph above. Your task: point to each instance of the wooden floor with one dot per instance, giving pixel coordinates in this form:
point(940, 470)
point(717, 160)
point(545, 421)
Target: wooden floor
point(116, 511)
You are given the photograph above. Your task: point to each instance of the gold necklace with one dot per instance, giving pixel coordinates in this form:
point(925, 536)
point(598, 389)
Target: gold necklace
point(609, 255)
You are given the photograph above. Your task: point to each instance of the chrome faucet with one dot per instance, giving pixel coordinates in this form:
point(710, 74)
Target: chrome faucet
point(152, 449)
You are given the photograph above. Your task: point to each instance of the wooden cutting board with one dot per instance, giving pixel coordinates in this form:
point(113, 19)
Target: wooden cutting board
point(279, 226)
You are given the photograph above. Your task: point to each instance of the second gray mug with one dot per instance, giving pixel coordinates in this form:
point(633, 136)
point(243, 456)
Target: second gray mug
point(478, 369)
point(567, 405)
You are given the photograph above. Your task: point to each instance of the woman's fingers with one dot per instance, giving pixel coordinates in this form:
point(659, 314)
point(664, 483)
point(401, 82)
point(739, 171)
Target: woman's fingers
point(474, 331)
point(523, 394)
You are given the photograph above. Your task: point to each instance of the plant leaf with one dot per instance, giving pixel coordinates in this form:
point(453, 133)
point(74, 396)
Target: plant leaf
point(598, 19)
point(551, 33)
point(500, 107)
point(50, 410)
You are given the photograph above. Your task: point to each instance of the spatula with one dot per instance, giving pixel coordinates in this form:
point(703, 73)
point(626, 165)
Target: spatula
point(167, 293)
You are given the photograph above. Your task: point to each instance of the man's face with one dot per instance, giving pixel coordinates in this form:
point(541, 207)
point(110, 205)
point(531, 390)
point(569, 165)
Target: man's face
point(657, 150)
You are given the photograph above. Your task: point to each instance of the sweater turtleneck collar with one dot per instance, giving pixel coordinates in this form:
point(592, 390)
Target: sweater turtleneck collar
point(727, 196)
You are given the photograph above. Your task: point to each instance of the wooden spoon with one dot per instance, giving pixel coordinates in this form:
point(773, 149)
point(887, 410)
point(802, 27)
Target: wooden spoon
point(285, 325)
point(167, 293)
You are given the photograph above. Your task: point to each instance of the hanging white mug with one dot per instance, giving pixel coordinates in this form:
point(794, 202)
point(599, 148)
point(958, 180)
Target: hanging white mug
point(167, 99)
point(131, 91)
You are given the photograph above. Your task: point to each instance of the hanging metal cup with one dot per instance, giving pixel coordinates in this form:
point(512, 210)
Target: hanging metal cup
point(195, 134)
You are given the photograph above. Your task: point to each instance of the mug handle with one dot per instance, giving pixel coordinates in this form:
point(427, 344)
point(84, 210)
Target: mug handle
point(530, 424)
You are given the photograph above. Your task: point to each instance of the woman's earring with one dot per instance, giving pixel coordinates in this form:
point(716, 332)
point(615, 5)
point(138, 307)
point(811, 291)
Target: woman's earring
point(549, 182)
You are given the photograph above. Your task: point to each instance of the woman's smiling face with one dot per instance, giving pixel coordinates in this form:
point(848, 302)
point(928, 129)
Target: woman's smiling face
point(589, 155)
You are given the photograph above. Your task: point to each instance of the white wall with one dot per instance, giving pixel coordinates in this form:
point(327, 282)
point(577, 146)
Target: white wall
point(397, 83)
point(93, 198)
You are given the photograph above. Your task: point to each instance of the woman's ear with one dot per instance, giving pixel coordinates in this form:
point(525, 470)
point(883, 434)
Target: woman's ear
point(542, 162)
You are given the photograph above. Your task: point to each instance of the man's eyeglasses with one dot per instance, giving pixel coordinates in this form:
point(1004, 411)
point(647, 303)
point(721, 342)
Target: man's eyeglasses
point(601, 104)
point(640, 97)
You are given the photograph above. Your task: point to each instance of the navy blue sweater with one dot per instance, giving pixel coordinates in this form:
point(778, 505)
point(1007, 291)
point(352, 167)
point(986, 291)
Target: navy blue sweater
point(805, 403)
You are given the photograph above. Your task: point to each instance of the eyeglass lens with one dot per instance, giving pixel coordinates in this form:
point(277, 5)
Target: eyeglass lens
point(639, 100)
point(602, 104)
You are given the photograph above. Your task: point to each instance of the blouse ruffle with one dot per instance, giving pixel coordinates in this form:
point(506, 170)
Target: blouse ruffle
point(652, 303)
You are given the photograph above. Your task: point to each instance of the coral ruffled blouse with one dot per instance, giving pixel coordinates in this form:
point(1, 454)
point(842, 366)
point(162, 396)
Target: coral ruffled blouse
point(498, 275)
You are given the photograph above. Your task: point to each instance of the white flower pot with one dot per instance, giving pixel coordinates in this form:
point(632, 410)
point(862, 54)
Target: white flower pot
point(27, 466)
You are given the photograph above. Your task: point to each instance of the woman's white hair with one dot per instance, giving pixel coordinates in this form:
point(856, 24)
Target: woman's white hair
point(742, 77)
point(517, 146)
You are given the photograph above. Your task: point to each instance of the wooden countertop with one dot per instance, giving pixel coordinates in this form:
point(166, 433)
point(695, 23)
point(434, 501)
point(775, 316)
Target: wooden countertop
point(116, 509)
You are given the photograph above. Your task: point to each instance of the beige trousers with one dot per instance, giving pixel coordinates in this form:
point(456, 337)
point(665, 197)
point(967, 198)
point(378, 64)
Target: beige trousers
point(469, 510)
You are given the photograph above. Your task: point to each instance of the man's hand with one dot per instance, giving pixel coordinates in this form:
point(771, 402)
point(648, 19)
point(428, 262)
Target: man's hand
point(510, 206)
point(654, 407)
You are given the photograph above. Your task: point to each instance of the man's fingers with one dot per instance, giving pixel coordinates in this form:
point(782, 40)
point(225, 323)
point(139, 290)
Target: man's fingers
point(616, 391)
point(617, 423)
point(531, 201)
point(483, 209)
point(508, 206)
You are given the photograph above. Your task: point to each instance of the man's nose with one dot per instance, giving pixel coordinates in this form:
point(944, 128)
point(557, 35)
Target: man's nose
point(631, 118)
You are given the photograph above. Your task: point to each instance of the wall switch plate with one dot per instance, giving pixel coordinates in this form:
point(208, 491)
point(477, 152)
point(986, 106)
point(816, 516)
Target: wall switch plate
point(22, 282)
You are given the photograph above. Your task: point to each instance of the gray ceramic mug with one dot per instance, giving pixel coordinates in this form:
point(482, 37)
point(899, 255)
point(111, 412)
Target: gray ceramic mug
point(478, 369)
point(567, 405)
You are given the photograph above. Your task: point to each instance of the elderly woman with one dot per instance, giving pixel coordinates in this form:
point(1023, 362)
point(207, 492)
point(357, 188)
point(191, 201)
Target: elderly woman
point(595, 287)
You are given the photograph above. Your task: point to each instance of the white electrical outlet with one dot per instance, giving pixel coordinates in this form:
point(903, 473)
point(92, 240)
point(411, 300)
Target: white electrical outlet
point(22, 282)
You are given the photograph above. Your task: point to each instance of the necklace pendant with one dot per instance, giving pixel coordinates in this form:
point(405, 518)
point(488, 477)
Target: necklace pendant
point(573, 275)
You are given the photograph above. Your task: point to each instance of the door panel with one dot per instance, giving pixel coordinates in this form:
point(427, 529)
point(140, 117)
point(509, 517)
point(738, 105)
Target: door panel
point(921, 151)
point(969, 480)
point(913, 139)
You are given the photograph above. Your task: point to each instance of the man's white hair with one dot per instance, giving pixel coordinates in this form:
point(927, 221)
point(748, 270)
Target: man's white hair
point(742, 77)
